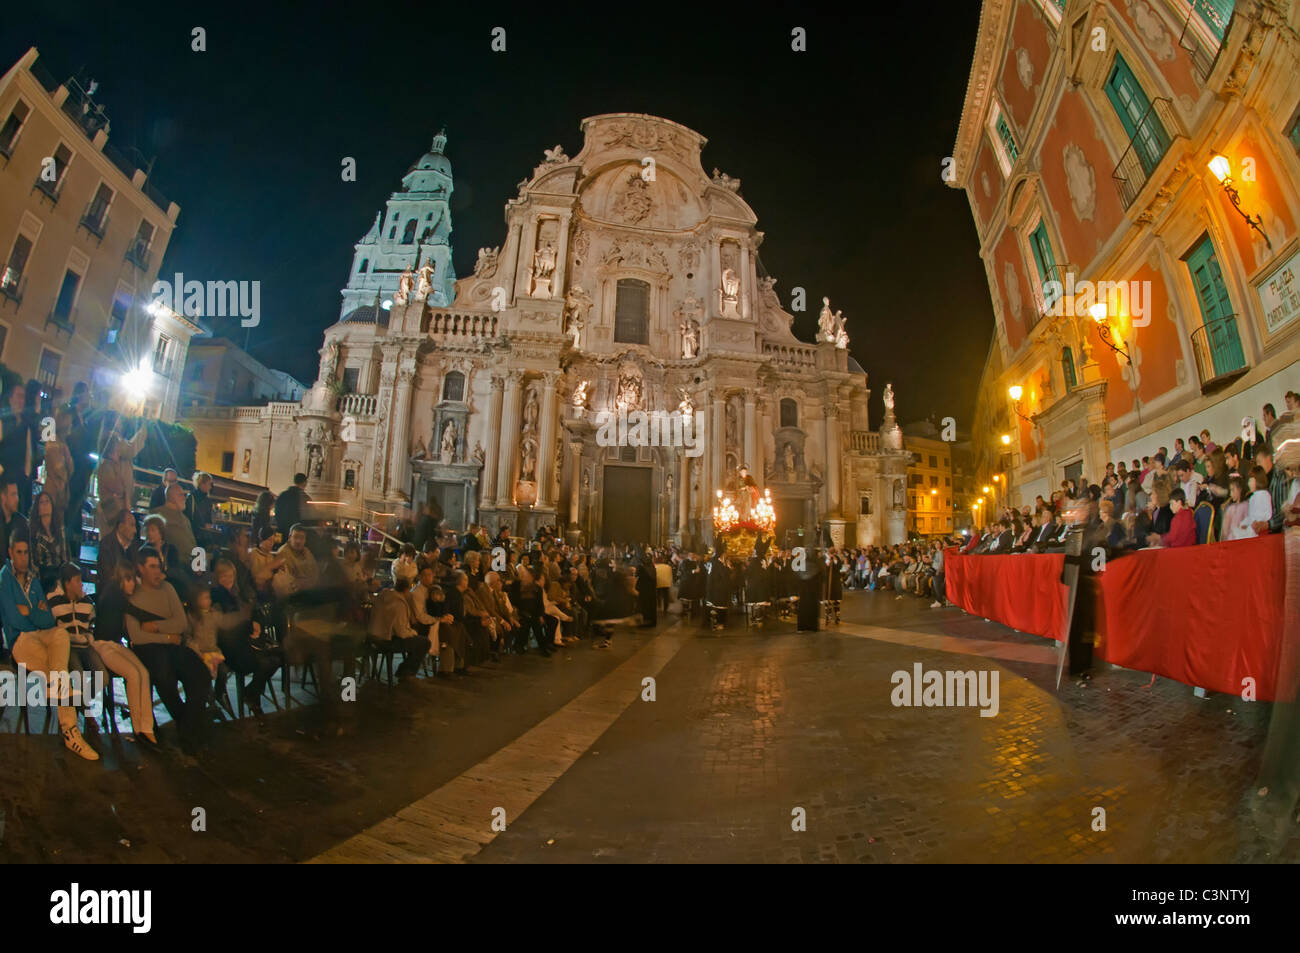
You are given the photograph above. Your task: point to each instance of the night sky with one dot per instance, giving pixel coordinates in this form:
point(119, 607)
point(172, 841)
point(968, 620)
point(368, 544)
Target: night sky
point(838, 148)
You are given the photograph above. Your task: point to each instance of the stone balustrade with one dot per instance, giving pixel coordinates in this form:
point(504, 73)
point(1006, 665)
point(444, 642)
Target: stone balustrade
point(358, 405)
point(461, 326)
point(864, 441)
point(791, 355)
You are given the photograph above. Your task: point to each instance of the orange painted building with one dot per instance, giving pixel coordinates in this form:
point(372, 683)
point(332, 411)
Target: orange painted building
point(1134, 302)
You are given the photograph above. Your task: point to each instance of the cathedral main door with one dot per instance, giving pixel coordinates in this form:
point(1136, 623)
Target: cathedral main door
point(626, 509)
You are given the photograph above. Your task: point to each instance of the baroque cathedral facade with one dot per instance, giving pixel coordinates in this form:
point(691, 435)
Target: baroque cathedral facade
point(628, 280)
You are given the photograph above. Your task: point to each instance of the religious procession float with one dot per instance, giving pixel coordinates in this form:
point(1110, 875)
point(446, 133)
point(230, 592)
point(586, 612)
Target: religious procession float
point(748, 522)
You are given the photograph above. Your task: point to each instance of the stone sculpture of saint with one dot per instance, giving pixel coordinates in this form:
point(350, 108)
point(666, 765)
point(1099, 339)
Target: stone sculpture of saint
point(888, 397)
point(730, 285)
point(425, 282)
point(404, 284)
point(544, 262)
point(788, 453)
point(530, 411)
point(528, 460)
point(448, 448)
point(826, 325)
point(329, 361)
point(580, 394)
point(690, 339)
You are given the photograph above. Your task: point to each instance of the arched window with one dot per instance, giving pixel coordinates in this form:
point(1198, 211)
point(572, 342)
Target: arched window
point(408, 234)
point(1067, 369)
point(632, 312)
point(453, 386)
point(365, 263)
point(392, 232)
point(789, 412)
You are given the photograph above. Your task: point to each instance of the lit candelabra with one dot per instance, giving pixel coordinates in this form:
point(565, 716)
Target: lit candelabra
point(765, 513)
point(725, 514)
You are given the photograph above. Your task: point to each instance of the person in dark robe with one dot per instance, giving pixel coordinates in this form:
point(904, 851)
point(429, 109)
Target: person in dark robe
point(718, 588)
point(810, 584)
point(645, 590)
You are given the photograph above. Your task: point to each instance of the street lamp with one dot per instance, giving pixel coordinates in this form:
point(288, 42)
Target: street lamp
point(1006, 439)
point(1098, 314)
point(1016, 391)
point(1222, 170)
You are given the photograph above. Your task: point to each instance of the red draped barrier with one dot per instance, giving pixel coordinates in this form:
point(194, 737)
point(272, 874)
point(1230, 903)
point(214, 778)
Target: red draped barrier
point(1207, 615)
point(1022, 590)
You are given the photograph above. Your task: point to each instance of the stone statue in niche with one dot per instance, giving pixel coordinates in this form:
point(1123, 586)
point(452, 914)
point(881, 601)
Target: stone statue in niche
point(787, 453)
point(898, 495)
point(576, 304)
point(530, 411)
point(732, 425)
point(580, 394)
point(685, 406)
point(479, 455)
point(404, 285)
point(629, 387)
point(447, 450)
point(528, 459)
point(314, 461)
point(329, 361)
point(543, 270)
point(690, 339)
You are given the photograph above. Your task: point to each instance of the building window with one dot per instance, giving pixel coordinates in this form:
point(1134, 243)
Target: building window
point(62, 156)
point(1216, 345)
point(1045, 264)
point(453, 386)
point(162, 355)
point(1067, 369)
point(117, 317)
point(1215, 14)
point(789, 412)
point(1004, 140)
point(138, 253)
point(934, 461)
point(1147, 134)
point(351, 377)
point(227, 461)
point(947, 481)
point(408, 233)
point(67, 298)
point(48, 371)
point(864, 506)
point(934, 481)
point(349, 479)
point(10, 283)
point(365, 263)
point(632, 312)
point(12, 127)
point(96, 217)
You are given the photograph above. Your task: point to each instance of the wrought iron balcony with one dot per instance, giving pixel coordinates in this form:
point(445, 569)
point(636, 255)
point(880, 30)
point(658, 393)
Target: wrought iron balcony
point(1151, 140)
point(12, 285)
point(51, 190)
point(1219, 357)
point(65, 323)
point(137, 253)
point(95, 219)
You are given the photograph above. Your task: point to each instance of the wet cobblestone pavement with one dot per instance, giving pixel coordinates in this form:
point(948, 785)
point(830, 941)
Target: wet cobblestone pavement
point(748, 729)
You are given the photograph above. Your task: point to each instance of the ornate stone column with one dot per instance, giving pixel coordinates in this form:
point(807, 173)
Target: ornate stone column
point(561, 254)
point(683, 496)
point(398, 452)
point(509, 447)
point(746, 289)
point(751, 437)
point(575, 482)
point(528, 245)
point(546, 491)
point(493, 443)
point(717, 437)
point(832, 458)
point(383, 419)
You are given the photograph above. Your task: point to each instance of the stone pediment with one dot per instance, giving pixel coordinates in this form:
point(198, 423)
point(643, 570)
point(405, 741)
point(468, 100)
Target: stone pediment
point(621, 195)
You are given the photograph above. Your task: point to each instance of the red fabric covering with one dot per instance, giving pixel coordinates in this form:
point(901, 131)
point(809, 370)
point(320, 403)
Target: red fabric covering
point(1022, 590)
point(1206, 615)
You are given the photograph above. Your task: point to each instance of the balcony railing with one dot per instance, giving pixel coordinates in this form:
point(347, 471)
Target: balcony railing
point(358, 405)
point(790, 354)
point(864, 441)
point(1152, 138)
point(1219, 357)
point(1195, 45)
point(95, 220)
point(66, 323)
point(12, 286)
point(137, 253)
point(447, 324)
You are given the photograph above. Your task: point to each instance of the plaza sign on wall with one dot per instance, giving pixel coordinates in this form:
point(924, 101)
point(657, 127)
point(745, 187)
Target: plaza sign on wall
point(1280, 294)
